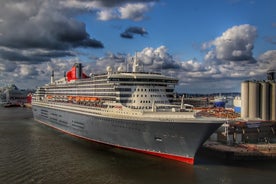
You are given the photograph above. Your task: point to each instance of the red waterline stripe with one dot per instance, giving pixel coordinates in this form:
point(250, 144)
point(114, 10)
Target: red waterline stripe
point(188, 160)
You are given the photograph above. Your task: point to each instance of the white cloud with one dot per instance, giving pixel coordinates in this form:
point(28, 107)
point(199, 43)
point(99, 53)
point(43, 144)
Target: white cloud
point(192, 65)
point(157, 59)
point(134, 11)
point(268, 60)
point(108, 10)
point(82, 5)
point(228, 61)
point(107, 14)
point(194, 76)
point(235, 44)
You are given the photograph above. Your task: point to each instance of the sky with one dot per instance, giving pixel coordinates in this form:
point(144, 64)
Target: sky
point(210, 46)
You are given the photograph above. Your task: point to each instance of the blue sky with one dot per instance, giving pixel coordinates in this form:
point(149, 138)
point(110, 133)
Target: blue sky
point(182, 26)
point(211, 46)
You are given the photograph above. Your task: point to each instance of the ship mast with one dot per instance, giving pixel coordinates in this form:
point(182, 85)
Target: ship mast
point(53, 77)
point(135, 64)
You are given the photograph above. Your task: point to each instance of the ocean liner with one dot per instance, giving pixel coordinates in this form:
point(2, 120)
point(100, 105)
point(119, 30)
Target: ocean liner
point(130, 110)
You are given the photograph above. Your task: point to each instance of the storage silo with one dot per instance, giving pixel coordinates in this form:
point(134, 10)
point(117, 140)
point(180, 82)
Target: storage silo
point(271, 75)
point(265, 101)
point(273, 101)
point(254, 100)
point(244, 99)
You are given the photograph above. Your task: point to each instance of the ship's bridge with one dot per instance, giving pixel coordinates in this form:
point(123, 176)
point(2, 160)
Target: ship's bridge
point(141, 90)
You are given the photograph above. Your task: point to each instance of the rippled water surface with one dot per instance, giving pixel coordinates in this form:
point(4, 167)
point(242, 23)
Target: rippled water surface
point(33, 153)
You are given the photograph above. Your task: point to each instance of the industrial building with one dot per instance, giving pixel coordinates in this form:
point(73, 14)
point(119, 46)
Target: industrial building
point(258, 99)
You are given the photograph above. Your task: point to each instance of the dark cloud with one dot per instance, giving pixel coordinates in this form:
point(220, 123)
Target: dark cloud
point(129, 32)
point(136, 30)
point(50, 25)
point(89, 43)
point(126, 35)
point(27, 27)
point(32, 55)
point(47, 31)
point(112, 3)
point(41, 26)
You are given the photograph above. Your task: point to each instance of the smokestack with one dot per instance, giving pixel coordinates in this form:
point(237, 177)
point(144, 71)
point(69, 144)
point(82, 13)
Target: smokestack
point(78, 70)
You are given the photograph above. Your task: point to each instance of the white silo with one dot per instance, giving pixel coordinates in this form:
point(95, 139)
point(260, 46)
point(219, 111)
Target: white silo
point(244, 99)
point(273, 101)
point(254, 100)
point(264, 101)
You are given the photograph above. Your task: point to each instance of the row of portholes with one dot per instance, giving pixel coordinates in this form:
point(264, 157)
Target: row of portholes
point(142, 101)
point(139, 107)
point(141, 95)
point(150, 95)
point(151, 90)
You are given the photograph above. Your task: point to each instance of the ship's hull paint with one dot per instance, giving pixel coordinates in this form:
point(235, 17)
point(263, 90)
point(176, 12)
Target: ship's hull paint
point(172, 140)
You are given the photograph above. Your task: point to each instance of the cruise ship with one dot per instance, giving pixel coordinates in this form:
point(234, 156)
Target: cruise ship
point(129, 110)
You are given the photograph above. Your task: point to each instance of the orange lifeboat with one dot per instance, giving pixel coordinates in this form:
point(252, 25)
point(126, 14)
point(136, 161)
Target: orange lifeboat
point(94, 99)
point(77, 98)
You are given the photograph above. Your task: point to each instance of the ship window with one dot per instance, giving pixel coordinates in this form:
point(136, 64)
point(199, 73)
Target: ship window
point(145, 95)
point(141, 95)
point(141, 89)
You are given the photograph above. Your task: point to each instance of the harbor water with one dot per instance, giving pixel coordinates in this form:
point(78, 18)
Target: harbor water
point(34, 153)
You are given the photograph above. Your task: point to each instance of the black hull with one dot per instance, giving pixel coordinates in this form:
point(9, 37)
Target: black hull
point(173, 140)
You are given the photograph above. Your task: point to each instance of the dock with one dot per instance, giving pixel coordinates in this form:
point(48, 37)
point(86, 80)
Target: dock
point(241, 151)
